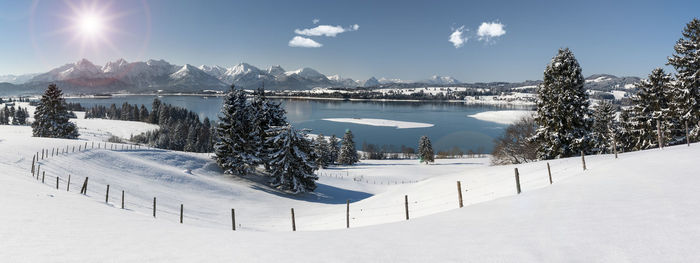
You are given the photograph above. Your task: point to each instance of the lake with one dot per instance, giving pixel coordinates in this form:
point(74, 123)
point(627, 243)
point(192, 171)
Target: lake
point(451, 125)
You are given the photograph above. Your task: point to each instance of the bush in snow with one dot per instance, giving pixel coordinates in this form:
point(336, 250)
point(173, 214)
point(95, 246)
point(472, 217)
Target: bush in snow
point(292, 163)
point(425, 150)
point(51, 118)
point(562, 109)
point(348, 153)
point(515, 146)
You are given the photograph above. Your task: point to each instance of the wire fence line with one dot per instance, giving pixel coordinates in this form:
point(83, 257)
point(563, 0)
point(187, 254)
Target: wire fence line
point(389, 212)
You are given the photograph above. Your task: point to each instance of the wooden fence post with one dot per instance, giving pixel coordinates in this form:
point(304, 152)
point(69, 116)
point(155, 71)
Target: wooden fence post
point(549, 171)
point(181, 210)
point(294, 224)
point(33, 157)
point(83, 190)
point(73, 148)
point(405, 197)
point(233, 219)
point(517, 180)
point(52, 152)
point(79, 150)
point(85, 148)
point(687, 133)
point(68, 184)
point(615, 146)
point(56, 182)
point(583, 160)
point(459, 194)
point(42, 176)
point(107, 195)
point(122, 199)
point(347, 214)
point(154, 207)
point(658, 132)
point(42, 154)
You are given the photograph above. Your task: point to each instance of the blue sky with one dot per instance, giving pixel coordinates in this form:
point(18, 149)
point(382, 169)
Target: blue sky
point(394, 39)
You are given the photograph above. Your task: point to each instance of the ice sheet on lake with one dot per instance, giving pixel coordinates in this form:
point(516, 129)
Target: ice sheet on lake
point(382, 122)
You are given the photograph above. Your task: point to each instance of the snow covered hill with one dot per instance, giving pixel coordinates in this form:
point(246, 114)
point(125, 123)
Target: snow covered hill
point(640, 207)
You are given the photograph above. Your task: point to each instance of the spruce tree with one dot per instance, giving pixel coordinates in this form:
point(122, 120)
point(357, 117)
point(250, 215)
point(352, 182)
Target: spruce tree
point(650, 105)
point(562, 115)
point(231, 148)
point(604, 127)
point(321, 149)
point(425, 150)
point(333, 149)
point(51, 118)
point(263, 115)
point(685, 102)
point(348, 153)
point(292, 163)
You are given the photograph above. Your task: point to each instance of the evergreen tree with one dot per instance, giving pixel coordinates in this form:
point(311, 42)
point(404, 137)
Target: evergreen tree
point(333, 149)
point(650, 105)
point(4, 116)
point(348, 154)
point(624, 137)
point(321, 148)
point(230, 149)
point(263, 115)
point(562, 109)
point(191, 141)
point(21, 116)
point(292, 163)
point(51, 118)
point(153, 117)
point(604, 127)
point(425, 150)
point(143, 114)
point(685, 102)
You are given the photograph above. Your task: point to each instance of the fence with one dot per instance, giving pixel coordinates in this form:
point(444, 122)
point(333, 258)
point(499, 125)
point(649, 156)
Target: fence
point(403, 208)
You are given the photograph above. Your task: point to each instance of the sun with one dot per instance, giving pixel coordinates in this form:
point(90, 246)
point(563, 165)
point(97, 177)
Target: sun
point(90, 24)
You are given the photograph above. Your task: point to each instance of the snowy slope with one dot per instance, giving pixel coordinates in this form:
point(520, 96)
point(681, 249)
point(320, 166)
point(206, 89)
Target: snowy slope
point(640, 207)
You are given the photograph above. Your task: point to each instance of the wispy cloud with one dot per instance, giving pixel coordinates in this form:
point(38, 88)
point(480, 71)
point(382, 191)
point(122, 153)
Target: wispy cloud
point(316, 20)
point(487, 30)
point(457, 38)
point(299, 41)
point(326, 30)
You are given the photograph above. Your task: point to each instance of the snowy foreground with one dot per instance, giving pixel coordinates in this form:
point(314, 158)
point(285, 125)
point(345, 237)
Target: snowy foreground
point(641, 207)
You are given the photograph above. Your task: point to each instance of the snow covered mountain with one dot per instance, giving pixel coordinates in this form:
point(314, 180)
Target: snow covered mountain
point(441, 80)
point(371, 82)
point(16, 79)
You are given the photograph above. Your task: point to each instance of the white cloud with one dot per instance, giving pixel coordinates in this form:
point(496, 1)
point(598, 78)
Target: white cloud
point(316, 20)
point(298, 41)
point(326, 30)
point(456, 37)
point(488, 30)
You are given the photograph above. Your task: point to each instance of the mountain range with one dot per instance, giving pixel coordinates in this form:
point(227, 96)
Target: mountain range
point(120, 76)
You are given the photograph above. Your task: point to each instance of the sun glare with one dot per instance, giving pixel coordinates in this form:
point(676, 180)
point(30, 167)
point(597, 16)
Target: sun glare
point(90, 24)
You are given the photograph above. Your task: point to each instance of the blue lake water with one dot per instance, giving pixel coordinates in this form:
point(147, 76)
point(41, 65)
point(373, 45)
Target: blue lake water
point(452, 126)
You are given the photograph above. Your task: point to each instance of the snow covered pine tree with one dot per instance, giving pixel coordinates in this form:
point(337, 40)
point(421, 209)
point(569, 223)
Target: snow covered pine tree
point(321, 148)
point(650, 105)
point(686, 60)
point(348, 154)
point(333, 149)
point(425, 150)
point(562, 115)
point(230, 149)
point(293, 162)
point(51, 118)
point(604, 127)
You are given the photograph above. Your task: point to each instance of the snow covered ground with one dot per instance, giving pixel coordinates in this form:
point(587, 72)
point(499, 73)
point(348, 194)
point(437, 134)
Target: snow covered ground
point(99, 129)
point(638, 208)
point(382, 122)
point(502, 117)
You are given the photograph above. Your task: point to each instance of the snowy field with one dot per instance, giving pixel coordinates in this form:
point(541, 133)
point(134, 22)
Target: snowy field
point(382, 122)
point(502, 117)
point(638, 208)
